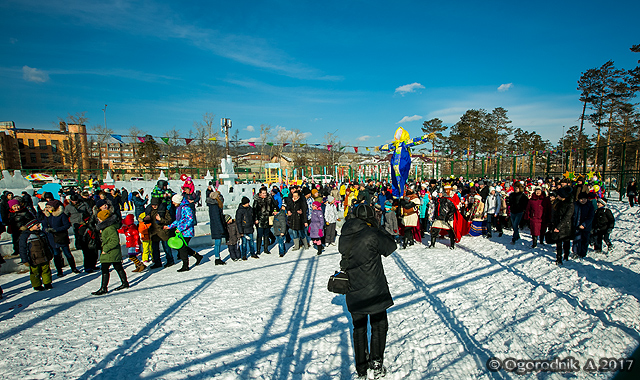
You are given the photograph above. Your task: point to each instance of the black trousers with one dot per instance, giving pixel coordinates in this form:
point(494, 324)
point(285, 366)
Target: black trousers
point(363, 352)
point(185, 251)
point(562, 246)
point(603, 235)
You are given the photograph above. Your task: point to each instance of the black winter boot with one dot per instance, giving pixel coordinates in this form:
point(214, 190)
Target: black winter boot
point(123, 278)
point(103, 287)
point(433, 241)
point(58, 262)
point(535, 242)
point(72, 264)
point(185, 261)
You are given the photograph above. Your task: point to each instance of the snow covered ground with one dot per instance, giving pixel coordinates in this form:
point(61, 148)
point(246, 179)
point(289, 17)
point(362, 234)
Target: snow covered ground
point(272, 318)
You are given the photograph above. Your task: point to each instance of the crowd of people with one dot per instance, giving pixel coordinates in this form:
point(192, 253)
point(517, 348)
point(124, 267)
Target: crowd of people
point(555, 211)
point(571, 214)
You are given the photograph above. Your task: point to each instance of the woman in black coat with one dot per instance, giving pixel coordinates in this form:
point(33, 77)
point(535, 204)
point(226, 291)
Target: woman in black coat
point(216, 223)
point(362, 244)
point(561, 223)
point(297, 218)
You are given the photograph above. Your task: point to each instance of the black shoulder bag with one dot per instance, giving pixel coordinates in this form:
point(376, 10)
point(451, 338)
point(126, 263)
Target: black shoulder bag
point(339, 282)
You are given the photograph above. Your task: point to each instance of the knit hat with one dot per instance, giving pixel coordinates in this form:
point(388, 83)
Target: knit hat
point(104, 214)
point(156, 201)
point(478, 197)
point(31, 223)
point(537, 188)
point(176, 198)
point(317, 204)
point(498, 188)
point(13, 202)
point(100, 203)
point(54, 204)
point(491, 188)
point(244, 201)
point(602, 201)
point(128, 220)
point(583, 195)
point(227, 218)
point(331, 199)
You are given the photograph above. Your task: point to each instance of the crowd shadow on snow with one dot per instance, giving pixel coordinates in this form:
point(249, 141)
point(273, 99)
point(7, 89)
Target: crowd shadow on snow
point(471, 346)
point(128, 360)
point(571, 299)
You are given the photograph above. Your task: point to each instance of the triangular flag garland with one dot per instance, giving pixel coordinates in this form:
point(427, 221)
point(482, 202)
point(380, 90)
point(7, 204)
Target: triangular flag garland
point(470, 154)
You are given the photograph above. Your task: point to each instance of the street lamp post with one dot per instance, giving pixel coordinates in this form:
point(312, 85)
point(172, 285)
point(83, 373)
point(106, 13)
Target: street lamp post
point(225, 126)
point(105, 116)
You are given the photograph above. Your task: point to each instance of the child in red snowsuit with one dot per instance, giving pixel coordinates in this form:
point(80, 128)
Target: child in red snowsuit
point(130, 231)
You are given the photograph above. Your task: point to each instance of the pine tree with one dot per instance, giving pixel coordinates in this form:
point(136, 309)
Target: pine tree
point(434, 128)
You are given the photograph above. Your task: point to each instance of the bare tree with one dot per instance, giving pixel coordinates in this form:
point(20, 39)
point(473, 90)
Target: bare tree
point(206, 147)
point(265, 136)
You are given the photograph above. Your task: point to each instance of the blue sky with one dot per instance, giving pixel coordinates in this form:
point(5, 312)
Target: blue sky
point(358, 67)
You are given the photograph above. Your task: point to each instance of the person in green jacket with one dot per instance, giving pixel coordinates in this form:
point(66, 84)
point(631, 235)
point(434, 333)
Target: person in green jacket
point(111, 253)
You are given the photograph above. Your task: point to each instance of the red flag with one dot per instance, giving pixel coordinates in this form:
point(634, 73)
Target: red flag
point(187, 141)
point(285, 144)
point(355, 148)
point(329, 147)
point(252, 144)
point(141, 139)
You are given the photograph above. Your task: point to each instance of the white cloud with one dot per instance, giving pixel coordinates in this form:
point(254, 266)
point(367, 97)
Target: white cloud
point(409, 118)
point(250, 128)
point(252, 139)
point(316, 119)
point(408, 88)
point(366, 137)
point(13, 41)
point(505, 87)
point(31, 74)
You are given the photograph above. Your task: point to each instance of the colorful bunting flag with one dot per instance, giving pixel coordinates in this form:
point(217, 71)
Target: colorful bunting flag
point(252, 144)
point(356, 149)
point(118, 137)
point(141, 139)
point(165, 139)
point(213, 139)
point(270, 144)
point(284, 144)
point(329, 147)
point(187, 141)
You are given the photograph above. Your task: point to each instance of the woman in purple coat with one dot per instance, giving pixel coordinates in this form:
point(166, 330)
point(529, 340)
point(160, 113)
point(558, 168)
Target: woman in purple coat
point(316, 227)
point(538, 210)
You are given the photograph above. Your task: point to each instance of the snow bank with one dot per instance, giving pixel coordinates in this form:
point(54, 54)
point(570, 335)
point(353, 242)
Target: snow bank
point(272, 318)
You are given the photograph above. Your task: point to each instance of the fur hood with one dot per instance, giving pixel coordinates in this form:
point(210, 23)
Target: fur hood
point(56, 212)
point(113, 219)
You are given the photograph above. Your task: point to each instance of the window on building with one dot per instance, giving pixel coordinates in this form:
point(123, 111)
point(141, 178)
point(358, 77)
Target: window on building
point(21, 143)
point(42, 144)
point(54, 146)
point(57, 158)
point(44, 157)
point(33, 158)
point(31, 144)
